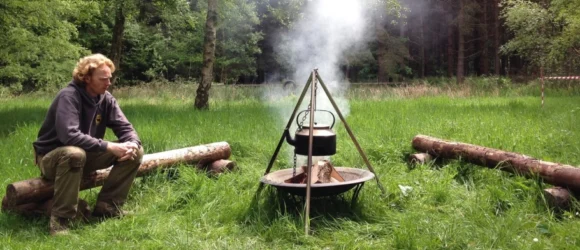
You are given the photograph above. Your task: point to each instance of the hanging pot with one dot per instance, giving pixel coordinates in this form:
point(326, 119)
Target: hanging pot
point(323, 138)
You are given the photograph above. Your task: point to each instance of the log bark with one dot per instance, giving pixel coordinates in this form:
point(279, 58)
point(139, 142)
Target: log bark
point(209, 44)
point(554, 173)
point(38, 189)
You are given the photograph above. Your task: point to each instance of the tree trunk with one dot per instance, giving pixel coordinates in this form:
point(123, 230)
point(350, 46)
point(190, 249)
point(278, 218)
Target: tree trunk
point(460, 43)
point(381, 36)
point(449, 44)
point(209, 43)
point(422, 41)
point(496, 63)
point(485, 49)
point(554, 173)
point(117, 42)
point(38, 189)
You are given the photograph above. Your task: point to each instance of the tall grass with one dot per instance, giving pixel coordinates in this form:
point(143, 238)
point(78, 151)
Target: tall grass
point(453, 205)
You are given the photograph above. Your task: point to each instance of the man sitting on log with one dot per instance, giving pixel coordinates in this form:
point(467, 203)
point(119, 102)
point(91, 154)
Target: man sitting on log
point(70, 144)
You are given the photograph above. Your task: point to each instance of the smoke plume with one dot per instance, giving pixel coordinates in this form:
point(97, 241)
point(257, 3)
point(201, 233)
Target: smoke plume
point(319, 41)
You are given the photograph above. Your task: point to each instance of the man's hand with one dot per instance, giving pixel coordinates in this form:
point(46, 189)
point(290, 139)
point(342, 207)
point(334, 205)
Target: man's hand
point(124, 151)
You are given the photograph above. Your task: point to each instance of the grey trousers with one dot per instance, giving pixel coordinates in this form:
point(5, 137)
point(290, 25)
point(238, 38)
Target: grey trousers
point(67, 165)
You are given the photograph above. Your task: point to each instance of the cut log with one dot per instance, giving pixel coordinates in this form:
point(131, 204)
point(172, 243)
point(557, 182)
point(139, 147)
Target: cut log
point(420, 158)
point(218, 167)
point(38, 189)
point(557, 197)
point(44, 208)
point(557, 174)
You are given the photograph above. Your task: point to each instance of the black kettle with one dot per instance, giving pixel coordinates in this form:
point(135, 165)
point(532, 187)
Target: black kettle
point(323, 138)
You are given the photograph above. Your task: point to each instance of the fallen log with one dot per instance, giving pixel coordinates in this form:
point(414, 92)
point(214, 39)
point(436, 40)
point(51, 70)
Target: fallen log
point(38, 190)
point(557, 197)
point(557, 174)
point(218, 167)
point(420, 158)
point(44, 208)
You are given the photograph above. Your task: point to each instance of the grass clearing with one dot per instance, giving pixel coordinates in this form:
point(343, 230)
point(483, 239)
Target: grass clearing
point(456, 205)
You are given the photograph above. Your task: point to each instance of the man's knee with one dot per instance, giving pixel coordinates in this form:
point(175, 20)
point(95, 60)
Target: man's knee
point(138, 157)
point(75, 156)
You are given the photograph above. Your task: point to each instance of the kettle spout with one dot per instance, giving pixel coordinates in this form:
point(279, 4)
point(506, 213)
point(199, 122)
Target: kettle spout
point(289, 138)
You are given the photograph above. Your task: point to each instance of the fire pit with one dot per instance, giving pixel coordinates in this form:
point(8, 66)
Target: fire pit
point(316, 140)
point(352, 177)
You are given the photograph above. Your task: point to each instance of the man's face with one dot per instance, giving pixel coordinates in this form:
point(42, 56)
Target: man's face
point(99, 81)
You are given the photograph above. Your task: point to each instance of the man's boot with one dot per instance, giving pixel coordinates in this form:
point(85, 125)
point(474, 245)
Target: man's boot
point(58, 226)
point(106, 210)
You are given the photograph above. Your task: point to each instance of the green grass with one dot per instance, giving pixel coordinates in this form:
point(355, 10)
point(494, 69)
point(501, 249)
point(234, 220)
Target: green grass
point(455, 205)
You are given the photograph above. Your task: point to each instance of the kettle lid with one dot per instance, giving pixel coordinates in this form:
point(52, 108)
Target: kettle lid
point(317, 126)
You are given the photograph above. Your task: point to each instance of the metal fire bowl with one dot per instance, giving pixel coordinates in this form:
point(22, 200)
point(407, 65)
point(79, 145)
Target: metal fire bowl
point(352, 177)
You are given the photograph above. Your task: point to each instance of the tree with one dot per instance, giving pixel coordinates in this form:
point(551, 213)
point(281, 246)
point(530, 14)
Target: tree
point(118, 32)
point(496, 37)
point(461, 27)
point(37, 48)
point(534, 30)
point(237, 44)
point(390, 51)
point(209, 44)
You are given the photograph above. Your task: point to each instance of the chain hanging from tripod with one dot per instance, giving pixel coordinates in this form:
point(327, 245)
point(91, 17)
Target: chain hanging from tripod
point(301, 123)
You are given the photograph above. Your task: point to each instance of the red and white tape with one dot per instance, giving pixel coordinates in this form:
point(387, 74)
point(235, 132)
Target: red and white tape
point(562, 77)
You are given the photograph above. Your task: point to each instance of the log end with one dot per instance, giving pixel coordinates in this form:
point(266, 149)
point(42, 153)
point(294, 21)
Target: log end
point(420, 158)
point(557, 197)
point(218, 167)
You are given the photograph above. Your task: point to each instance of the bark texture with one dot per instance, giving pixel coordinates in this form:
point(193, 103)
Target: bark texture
point(460, 43)
point(554, 173)
point(202, 95)
point(117, 41)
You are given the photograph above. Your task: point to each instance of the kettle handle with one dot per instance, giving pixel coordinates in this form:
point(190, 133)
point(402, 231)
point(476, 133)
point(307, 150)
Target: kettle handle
point(323, 110)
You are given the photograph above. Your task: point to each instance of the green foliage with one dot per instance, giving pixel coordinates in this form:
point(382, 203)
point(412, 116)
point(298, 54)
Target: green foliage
point(36, 48)
point(544, 33)
point(238, 41)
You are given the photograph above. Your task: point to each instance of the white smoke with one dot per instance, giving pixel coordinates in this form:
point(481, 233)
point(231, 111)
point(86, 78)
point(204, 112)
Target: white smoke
point(320, 40)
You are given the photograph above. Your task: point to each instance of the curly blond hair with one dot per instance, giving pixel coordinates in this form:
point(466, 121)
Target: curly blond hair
point(87, 64)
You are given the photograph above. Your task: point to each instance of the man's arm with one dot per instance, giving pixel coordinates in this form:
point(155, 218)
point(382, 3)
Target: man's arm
point(120, 125)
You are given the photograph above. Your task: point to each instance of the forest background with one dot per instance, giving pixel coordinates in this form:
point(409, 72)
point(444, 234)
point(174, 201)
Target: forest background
point(162, 40)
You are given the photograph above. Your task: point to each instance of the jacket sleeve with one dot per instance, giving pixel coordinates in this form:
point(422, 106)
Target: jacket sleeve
point(67, 126)
point(120, 125)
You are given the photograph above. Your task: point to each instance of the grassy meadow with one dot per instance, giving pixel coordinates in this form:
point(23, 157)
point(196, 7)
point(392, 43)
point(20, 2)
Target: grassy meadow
point(454, 205)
